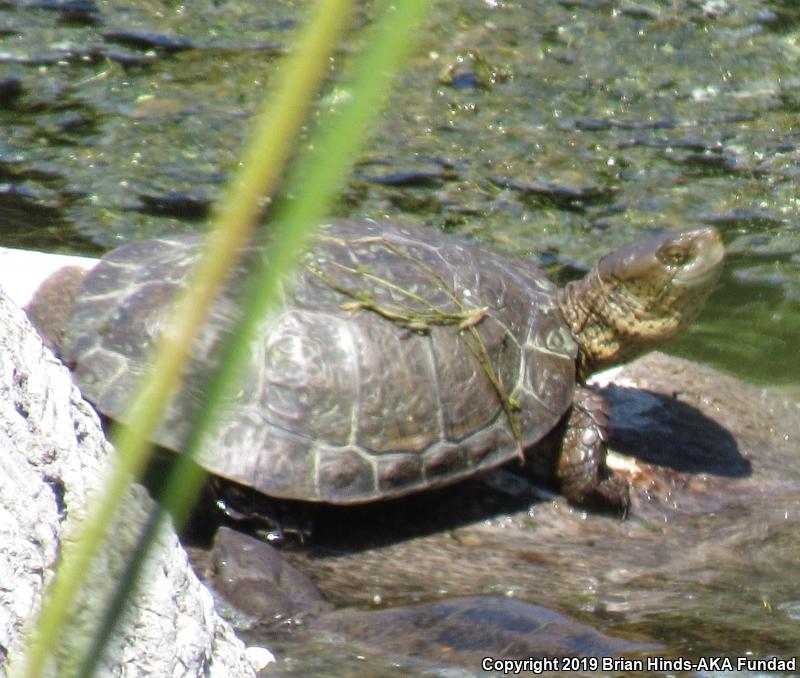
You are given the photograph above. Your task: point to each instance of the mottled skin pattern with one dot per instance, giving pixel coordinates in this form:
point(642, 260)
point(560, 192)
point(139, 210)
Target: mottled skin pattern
point(632, 301)
point(636, 298)
point(356, 391)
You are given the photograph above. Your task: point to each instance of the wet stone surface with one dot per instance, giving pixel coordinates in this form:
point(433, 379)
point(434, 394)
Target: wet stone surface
point(697, 569)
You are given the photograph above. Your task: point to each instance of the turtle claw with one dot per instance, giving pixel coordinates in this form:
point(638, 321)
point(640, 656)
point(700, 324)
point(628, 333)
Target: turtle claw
point(611, 495)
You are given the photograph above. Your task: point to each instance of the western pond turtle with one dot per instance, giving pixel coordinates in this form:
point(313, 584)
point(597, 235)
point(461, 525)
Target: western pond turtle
point(399, 359)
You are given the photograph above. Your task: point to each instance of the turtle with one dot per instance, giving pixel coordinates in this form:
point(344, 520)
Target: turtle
point(399, 358)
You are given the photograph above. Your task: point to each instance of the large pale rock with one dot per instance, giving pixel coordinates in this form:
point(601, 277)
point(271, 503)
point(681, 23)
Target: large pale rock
point(53, 456)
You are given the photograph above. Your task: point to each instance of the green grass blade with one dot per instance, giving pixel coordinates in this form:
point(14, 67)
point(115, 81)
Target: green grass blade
point(318, 179)
point(312, 184)
point(275, 131)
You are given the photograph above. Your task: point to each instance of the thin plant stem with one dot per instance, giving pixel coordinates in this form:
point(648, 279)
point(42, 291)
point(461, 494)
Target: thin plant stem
point(317, 178)
point(262, 165)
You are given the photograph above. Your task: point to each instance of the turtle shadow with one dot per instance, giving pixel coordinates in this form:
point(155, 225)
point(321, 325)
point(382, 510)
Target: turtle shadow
point(310, 526)
point(353, 528)
point(666, 432)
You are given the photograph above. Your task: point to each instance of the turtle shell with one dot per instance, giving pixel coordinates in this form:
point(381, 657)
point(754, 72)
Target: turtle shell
point(398, 359)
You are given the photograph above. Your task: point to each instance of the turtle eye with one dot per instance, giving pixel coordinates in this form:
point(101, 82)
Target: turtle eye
point(673, 256)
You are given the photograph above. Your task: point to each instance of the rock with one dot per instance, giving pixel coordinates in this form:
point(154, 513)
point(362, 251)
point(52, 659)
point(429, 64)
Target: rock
point(52, 457)
point(716, 503)
point(712, 534)
point(52, 303)
point(562, 195)
point(252, 578)
point(148, 40)
point(268, 599)
point(466, 630)
point(23, 271)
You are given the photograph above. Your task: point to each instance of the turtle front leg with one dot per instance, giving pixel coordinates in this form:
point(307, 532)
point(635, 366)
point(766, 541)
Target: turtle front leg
point(581, 467)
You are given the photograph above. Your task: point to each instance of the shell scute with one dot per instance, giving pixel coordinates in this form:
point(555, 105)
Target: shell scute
point(305, 376)
point(344, 474)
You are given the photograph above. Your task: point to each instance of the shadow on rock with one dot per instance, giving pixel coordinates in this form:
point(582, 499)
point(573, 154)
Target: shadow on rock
point(322, 528)
point(662, 430)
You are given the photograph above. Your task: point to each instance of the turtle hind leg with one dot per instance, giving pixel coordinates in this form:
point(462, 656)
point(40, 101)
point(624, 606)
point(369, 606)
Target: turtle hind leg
point(581, 466)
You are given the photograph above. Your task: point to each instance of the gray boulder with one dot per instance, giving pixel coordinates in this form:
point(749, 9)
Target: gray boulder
point(53, 456)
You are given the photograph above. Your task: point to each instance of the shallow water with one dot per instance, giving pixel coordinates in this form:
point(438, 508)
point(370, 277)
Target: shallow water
point(555, 130)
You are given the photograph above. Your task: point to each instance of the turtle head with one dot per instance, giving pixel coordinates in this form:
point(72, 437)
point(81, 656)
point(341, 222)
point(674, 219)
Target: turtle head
point(639, 296)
